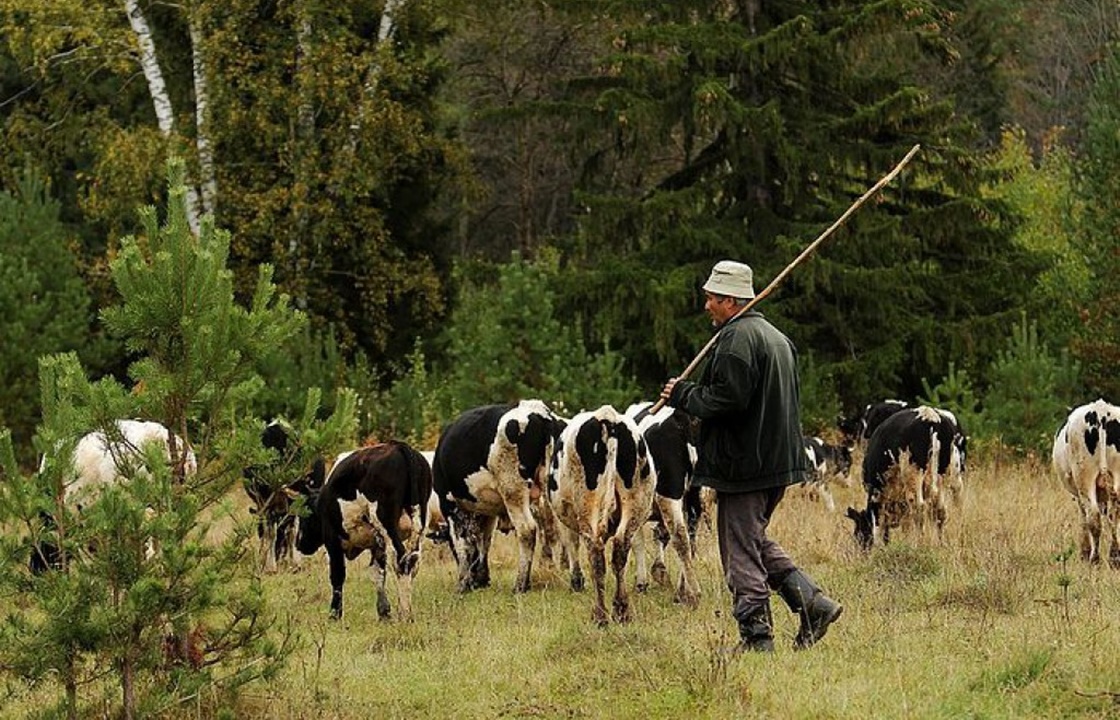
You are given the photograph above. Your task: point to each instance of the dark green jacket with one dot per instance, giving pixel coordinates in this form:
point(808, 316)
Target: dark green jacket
point(748, 403)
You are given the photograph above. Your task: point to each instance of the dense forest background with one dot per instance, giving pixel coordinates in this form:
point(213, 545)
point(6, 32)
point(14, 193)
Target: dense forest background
point(471, 202)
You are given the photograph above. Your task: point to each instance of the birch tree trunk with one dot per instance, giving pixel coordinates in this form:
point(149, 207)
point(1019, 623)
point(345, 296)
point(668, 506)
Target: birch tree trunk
point(373, 73)
point(161, 101)
point(305, 137)
point(205, 148)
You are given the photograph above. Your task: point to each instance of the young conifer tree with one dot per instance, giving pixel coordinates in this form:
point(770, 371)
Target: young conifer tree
point(151, 606)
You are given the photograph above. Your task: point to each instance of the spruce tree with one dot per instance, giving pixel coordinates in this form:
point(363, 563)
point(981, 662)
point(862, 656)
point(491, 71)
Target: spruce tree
point(743, 130)
point(147, 606)
point(1097, 344)
point(44, 307)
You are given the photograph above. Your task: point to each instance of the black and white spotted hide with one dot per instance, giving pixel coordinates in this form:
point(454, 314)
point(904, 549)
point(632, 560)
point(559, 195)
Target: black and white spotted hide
point(490, 463)
point(601, 487)
point(914, 460)
point(1086, 457)
point(676, 511)
point(829, 463)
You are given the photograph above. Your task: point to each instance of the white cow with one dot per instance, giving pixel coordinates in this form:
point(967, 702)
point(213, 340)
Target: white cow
point(1087, 458)
point(100, 460)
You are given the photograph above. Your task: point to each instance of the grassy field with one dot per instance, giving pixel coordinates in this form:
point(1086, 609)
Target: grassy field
point(1000, 619)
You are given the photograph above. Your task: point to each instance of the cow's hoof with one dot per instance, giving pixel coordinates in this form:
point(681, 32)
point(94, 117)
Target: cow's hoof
point(577, 583)
point(599, 617)
point(621, 613)
point(689, 600)
point(660, 574)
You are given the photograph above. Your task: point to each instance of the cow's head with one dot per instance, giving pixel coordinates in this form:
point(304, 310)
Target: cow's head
point(843, 457)
point(850, 427)
point(864, 530)
point(309, 535)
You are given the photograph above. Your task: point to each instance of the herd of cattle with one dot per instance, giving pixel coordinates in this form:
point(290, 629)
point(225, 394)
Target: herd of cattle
point(593, 480)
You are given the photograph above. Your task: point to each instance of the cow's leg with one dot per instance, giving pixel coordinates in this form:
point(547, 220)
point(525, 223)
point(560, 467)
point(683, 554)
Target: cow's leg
point(377, 566)
point(672, 514)
point(551, 549)
point(480, 570)
point(525, 527)
point(826, 495)
point(337, 562)
point(641, 559)
point(570, 540)
point(1090, 529)
point(693, 510)
point(267, 533)
point(620, 553)
point(596, 555)
point(466, 542)
point(405, 535)
point(661, 538)
point(1114, 531)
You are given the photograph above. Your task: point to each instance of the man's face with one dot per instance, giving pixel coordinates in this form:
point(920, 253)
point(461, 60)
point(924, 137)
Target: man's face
point(720, 308)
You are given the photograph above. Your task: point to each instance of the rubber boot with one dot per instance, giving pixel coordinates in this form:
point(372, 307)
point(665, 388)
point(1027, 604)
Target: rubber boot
point(756, 629)
point(817, 610)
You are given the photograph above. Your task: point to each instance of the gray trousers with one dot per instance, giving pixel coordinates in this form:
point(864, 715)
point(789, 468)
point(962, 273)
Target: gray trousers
point(752, 562)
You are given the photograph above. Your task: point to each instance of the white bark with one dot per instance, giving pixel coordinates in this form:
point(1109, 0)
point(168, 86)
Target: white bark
point(202, 121)
point(373, 72)
point(161, 101)
point(305, 133)
point(385, 29)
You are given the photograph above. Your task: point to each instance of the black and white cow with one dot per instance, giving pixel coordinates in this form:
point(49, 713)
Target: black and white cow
point(103, 459)
point(1086, 456)
point(490, 463)
point(271, 491)
point(859, 428)
point(914, 459)
point(374, 497)
point(601, 484)
point(676, 504)
point(828, 463)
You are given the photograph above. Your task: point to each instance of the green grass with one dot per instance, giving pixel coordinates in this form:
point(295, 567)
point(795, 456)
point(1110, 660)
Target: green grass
point(988, 622)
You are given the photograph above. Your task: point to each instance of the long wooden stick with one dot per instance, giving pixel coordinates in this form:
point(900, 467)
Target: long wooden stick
point(796, 261)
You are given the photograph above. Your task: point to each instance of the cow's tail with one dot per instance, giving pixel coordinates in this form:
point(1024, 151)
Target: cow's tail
point(419, 480)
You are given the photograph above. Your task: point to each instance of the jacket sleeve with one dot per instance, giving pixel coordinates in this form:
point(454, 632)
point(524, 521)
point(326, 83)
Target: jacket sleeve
point(728, 390)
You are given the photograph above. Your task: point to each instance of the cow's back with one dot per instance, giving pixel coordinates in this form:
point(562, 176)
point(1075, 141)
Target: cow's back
point(915, 433)
point(464, 448)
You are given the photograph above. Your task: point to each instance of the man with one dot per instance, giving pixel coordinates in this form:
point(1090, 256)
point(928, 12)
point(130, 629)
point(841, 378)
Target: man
point(750, 450)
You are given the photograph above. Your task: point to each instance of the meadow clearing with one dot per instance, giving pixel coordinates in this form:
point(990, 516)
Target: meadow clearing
point(999, 619)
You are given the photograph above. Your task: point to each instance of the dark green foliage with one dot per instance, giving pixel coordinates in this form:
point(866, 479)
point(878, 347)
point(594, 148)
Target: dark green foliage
point(742, 133)
point(507, 342)
point(335, 165)
point(1031, 391)
point(820, 404)
point(44, 305)
point(412, 408)
point(148, 600)
point(1097, 344)
point(957, 394)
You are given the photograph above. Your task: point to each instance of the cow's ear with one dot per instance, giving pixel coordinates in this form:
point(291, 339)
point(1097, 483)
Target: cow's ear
point(513, 431)
point(318, 473)
point(853, 513)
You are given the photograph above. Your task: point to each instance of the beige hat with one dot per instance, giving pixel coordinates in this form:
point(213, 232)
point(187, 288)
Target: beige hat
point(730, 278)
